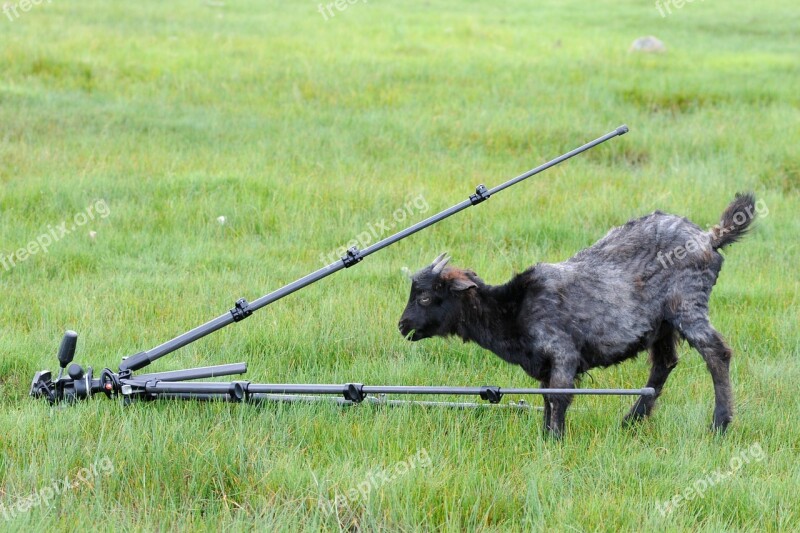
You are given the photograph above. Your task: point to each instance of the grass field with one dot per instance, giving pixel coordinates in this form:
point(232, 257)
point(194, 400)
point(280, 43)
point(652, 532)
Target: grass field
point(140, 123)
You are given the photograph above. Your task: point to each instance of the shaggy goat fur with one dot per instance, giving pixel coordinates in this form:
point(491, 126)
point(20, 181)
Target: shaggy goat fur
point(638, 288)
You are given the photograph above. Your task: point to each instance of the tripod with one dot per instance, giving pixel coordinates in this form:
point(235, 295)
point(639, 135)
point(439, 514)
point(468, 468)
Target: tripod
point(80, 384)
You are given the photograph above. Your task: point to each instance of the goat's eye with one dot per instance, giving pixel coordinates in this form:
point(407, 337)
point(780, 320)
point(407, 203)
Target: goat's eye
point(425, 300)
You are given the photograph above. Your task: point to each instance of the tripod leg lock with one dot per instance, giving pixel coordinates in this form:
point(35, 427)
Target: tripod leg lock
point(352, 257)
point(481, 194)
point(354, 392)
point(238, 391)
point(241, 311)
point(492, 394)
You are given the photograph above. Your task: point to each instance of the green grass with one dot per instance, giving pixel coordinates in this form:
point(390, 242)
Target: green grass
point(302, 132)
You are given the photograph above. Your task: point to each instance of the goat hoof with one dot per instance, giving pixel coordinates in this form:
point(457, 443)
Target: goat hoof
point(632, 419)
point(720, 427)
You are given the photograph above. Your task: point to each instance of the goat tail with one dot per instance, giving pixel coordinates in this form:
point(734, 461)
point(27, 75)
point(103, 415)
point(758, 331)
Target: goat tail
point(735, 222)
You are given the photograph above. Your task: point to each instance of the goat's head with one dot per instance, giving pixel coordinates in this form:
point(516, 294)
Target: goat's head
point(437, 296)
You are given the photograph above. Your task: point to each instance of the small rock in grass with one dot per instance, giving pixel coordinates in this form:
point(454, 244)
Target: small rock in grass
point(648, 44)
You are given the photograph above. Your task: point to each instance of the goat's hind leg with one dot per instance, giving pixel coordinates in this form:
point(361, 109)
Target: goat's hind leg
point(702, 336)
point(663, 359)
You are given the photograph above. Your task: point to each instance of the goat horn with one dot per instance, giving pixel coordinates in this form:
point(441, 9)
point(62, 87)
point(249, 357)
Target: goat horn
point(438, 258)
point(439, 263)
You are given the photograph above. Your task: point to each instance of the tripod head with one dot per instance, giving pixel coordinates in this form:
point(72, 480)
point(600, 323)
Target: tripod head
point(80, 385)
point(77, 384)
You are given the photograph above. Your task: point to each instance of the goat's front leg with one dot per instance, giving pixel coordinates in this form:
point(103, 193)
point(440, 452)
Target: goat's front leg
point(663, 358)
point(562, 376)
point(547, 409)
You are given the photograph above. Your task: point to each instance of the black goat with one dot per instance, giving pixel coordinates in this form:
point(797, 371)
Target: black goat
point(636, 289)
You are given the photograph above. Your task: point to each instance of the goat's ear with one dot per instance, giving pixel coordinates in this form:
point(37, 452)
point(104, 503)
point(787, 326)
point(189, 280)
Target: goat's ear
point(462, 283)
point(459, 280)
